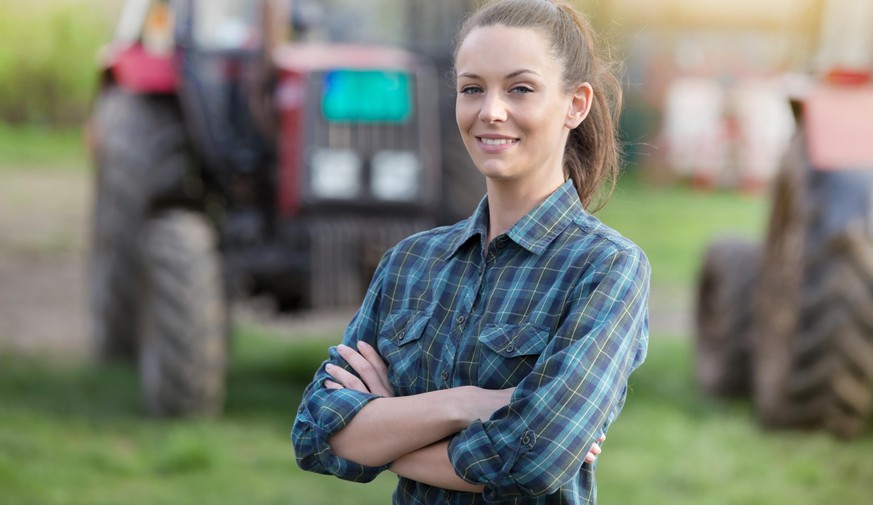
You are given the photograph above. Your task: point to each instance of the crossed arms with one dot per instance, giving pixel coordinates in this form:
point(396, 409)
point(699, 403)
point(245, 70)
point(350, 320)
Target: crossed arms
point(410, 433)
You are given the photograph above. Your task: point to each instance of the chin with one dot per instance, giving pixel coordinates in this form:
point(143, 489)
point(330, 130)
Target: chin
point(494, 170)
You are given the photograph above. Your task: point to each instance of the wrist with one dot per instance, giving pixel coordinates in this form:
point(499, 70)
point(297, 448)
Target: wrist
point(460, 403)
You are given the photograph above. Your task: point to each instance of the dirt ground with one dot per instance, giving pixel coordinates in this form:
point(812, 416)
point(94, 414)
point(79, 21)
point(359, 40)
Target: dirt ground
point(44, 228)
point(44, 217)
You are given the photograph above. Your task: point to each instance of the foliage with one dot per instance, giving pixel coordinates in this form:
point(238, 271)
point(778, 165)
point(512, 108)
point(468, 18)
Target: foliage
point(75, 435)
point(48, 60)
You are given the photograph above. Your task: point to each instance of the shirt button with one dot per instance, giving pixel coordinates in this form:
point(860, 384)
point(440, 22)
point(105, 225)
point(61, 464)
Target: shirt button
point(525, 439)
point(445, 375)
point(461, 319)
point(510, 348)
point(401, 335)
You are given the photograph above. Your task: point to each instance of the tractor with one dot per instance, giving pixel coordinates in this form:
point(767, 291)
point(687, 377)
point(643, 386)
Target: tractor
point(233, 158)
point(791, 322)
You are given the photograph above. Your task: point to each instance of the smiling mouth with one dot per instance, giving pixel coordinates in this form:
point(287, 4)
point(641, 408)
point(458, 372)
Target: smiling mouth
point(496, 142)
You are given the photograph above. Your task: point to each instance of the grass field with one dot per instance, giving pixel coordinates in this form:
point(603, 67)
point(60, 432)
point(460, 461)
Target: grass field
point(74, 435)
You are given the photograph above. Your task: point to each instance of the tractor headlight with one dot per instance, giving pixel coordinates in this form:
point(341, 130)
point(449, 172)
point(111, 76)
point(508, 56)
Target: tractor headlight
point(396, 175)
point(336, 173)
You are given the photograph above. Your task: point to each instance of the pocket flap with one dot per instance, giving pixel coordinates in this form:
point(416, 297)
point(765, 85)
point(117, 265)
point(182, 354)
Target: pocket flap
point(405, 326)
point(512, 340)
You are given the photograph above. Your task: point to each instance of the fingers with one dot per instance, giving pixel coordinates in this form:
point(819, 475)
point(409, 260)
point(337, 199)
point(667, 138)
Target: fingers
point(372, 371)
point(595, 450)
point(592, 453)
point(344, 379)
point(360, 364)
point(372, 356)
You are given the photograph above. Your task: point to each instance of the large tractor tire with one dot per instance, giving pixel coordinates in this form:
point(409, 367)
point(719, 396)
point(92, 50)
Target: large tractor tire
point(724, 316)
point(183, 341)
point(141, 156)
point(813, 349)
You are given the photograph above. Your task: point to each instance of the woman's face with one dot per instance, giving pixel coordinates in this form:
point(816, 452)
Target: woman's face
point(512, 109)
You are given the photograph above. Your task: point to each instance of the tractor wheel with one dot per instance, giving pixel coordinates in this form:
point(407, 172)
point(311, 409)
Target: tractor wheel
point(141, 156)
point(833, 376)
point(777, 295)
point(813, 359)
point(723, 316)
point(183, 346)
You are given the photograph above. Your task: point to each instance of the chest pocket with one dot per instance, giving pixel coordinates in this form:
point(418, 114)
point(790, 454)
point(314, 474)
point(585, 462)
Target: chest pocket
point(401, 347)
point(508, 353)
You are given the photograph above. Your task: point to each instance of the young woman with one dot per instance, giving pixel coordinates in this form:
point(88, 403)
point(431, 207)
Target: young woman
point(489, 357)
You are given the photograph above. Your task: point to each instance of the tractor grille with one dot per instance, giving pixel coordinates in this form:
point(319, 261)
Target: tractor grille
point(344, 253)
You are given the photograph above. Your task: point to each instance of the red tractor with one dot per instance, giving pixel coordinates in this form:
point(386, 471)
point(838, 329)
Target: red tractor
point(792, 322)
point(230, 161)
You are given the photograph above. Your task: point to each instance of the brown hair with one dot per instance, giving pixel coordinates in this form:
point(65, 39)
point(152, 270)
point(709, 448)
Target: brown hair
point(593, 153)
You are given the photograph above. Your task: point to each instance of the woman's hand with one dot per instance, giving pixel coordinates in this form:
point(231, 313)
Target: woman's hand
point(595, 450)
point(368, 364)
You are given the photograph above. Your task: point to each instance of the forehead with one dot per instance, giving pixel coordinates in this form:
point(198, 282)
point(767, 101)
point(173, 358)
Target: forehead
point(501, 50)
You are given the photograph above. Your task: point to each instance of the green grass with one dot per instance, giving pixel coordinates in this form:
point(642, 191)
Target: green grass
point(673, 445)
point(673, 224)
point(30, 147)
point(75, 435)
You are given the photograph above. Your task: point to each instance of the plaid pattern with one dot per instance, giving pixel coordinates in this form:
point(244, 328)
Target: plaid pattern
point(557, 307)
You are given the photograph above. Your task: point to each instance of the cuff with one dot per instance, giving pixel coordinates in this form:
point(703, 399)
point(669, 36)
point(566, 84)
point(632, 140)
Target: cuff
point(337, 408)
point(477, 460)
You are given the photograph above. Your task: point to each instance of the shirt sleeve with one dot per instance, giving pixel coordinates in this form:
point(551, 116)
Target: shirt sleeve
point(538, 442)
point(324, 411)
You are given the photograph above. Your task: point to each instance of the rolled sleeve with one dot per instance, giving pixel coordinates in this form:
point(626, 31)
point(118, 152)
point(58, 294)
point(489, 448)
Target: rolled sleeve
point(324, 412)
point(538, 442)
point(486, 461)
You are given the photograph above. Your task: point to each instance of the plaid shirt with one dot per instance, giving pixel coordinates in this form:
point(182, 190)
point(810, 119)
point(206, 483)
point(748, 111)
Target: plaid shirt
point(557, 306)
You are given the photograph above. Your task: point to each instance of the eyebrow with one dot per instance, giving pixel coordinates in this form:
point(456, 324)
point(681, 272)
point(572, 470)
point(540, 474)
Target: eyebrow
point(508, 76)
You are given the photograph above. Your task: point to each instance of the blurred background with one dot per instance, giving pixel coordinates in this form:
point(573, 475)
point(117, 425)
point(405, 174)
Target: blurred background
point(194, 195)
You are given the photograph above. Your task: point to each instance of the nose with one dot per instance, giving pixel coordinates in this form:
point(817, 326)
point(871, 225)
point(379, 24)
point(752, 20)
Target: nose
point(493, 109)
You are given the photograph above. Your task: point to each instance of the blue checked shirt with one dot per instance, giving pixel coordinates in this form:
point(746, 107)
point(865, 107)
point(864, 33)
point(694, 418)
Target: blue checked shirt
point(557, 306)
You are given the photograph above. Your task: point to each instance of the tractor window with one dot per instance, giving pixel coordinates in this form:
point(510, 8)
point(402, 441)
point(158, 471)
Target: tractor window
point(355, 21)
point(228, 24)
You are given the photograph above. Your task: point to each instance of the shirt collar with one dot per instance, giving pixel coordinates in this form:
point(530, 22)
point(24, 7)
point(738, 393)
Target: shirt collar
point(535, 231)
point(539, 227)
point(477, 224)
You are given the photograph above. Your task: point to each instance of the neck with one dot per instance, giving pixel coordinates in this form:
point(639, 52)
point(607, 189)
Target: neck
point(508, 202)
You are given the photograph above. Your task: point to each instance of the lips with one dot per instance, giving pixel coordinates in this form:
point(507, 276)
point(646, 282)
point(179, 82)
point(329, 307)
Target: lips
point(496, 142)
point(491, 142)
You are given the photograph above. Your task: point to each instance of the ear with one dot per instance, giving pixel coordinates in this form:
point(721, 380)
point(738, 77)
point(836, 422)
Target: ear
point(580, 105)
